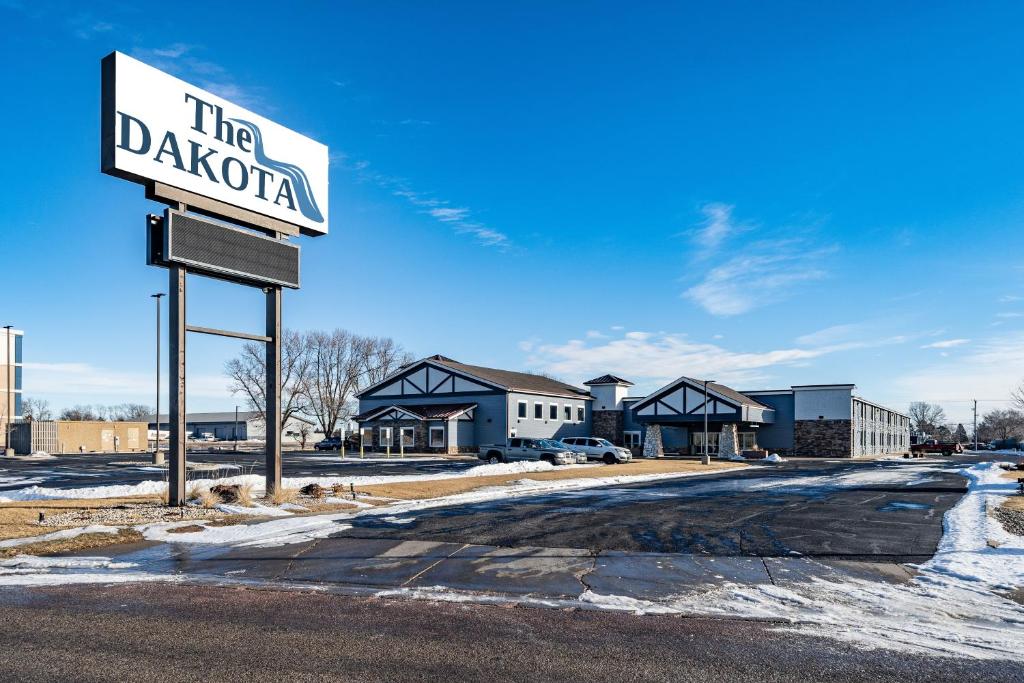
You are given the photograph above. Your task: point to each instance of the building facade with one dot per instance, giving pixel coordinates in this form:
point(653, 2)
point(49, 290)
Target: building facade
point(10, 380)
point(245, 426)
point(438, 405)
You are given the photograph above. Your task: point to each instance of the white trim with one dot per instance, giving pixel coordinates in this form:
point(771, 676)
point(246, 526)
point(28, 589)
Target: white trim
point(567, 412)
point(362, 436)
point(581, 414)
point(380, 436)
point(555, 418)
point(401, 436)
point(431, 437)
point(525, 411)
point(636, 442)
point(535, 406)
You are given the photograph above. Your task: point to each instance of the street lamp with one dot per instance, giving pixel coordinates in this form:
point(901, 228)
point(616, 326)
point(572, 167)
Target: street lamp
point(706, 460)
point(7, 407)
point(158, 457)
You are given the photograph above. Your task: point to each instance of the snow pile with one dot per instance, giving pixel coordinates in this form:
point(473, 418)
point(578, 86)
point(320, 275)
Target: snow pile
point(27, 570)
point(150, 488)
point(964, 552)
point(59, 535)
point(774, 457)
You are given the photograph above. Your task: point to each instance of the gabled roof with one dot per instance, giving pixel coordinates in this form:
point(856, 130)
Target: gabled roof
point(502, 379)
point(434, 411)
point(721, 390)
point(608, 379)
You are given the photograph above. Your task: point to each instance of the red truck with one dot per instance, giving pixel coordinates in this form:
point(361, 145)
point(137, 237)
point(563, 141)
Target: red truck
point(936, 446)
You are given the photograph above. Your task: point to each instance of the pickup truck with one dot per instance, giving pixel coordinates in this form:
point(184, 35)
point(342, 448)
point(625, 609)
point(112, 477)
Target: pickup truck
point(936, 446)
point(530, 449)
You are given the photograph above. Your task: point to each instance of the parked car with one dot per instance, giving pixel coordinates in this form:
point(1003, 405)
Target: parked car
point(598, 449)
point(936, 446)
point(331, 443)
point(547, 450)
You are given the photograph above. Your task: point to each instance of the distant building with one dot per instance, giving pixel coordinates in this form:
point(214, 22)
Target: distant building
point(78, 436)
point(440, 405)
point(249, 426)
point(10, 380)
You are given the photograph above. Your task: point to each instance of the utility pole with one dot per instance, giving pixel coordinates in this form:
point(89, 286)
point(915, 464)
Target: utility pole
point(8, 409)
point(235, 430)
point(706, 460)
point(158, 457)
point(975, 424)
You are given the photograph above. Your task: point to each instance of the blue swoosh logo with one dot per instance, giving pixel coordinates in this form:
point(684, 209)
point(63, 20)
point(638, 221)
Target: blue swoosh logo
point(303, 192)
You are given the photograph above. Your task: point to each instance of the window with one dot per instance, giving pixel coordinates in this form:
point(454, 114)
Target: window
point(408, 436)
point(571, 441)
point(632, 439)
point(385, 436)
point(581, 414)
point(567, 411)
point(437, 437)
point(748, 440)
point(522, 408)
point(515, 443)
point(698, 442)
point(366, 434)
point(553, 411)
point(538, 411)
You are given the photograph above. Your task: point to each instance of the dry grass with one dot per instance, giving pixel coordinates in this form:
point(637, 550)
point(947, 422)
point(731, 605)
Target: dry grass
point(187, 529)
point(208, 499)
point(1014, 503)
point(445, 487)
point(245, 495)
point(68, 545)
point(21, 519)
point(1013, 475)
point(283, 495)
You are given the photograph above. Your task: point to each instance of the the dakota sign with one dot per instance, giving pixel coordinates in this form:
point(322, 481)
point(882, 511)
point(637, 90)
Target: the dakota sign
point(159, 128)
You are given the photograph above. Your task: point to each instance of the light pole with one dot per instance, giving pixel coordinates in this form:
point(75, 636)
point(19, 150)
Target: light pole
point(7, 407)
point(158, 457)
point(706, 460)
point(234, 431)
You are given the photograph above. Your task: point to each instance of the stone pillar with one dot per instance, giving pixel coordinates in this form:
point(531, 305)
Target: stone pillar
point(652, 442)
point(728, 442)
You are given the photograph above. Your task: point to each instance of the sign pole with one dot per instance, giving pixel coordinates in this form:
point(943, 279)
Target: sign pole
point(273, 391)
point(176, 409)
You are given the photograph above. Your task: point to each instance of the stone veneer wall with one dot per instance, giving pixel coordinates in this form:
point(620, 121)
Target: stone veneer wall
point(421, 436)
point(825, 438)
point(652, 442)
point(607, 424)
point(728, 442)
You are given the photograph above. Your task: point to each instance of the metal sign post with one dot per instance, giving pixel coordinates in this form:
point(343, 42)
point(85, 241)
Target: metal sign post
point(269, 182)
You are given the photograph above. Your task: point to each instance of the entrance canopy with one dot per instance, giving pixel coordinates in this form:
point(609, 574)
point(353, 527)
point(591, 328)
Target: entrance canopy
point(682, 402)
point(435, 411)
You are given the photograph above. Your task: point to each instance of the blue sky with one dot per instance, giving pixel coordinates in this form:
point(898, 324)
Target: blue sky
point(766, 195)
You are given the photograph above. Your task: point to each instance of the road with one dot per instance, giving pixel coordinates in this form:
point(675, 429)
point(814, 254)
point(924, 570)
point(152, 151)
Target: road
point(98, 469)
point(185, 633)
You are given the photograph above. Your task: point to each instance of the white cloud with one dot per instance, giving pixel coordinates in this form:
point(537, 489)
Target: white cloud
point(458, 218)
point(652, 359)
point(760, 275)
point(1009, 315)
point(946, 344)
point(718, 225)
point(183, 60)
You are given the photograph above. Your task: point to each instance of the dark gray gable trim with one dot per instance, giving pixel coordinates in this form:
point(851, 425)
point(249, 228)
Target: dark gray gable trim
point(402, 375)
point(658, 395)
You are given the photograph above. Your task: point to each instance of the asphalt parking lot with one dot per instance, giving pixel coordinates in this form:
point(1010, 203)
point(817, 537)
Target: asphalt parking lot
point(883, 511)
point(103, 469)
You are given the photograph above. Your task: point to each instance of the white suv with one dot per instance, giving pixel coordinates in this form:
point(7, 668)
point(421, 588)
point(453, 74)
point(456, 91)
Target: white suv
point(598, 449)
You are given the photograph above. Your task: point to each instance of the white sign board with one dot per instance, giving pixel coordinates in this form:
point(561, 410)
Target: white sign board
point(159, 128)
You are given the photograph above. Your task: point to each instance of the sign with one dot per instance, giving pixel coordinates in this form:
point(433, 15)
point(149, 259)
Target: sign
point(221, 251)
point(159, 129)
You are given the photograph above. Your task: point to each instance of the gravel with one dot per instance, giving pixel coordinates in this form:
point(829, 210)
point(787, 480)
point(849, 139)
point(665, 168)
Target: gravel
point(127, 515)
point(1012, 520)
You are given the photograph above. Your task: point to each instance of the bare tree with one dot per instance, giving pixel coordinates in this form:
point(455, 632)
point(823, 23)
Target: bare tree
point(1017, 397)
point(36, 409)
point(130, 412)
point(1002, 424)
point(248, 373)
point(305, 429)
point(336, 363)
point(80, 413)
point(926, 417)
point(382, 357)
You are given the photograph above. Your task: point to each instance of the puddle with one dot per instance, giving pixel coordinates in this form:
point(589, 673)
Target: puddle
point(903, 505)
